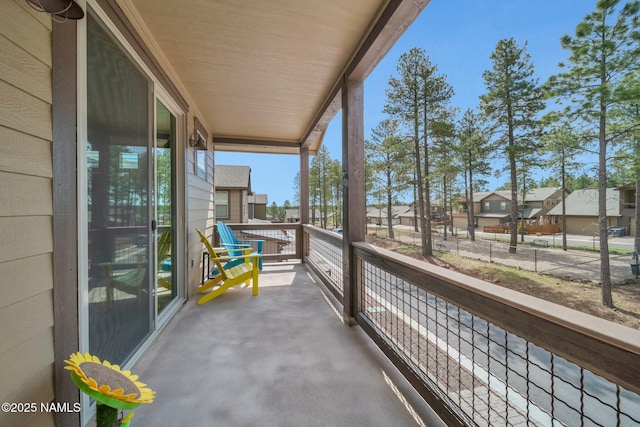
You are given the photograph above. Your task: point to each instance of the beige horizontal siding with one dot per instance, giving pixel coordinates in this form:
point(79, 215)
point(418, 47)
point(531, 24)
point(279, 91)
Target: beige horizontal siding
point(25, 195)
point(25, 236)
point(30, 357)
point(26, 207)
point(30, 276)
point(24, 112)
point(24, 71)
point(24, 154)
point(26, 29)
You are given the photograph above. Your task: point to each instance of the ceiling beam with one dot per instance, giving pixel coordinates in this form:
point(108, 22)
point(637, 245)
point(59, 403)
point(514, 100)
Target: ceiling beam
point(249, 145)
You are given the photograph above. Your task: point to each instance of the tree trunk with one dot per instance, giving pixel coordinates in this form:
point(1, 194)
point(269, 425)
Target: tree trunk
point(605, 268)
point(637, 236)
point(389, 201)
point(472, 216)
point(564, 205)
point(444, 205)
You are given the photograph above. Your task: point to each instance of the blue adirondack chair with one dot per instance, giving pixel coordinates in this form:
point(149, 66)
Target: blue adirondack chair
point(231, 243)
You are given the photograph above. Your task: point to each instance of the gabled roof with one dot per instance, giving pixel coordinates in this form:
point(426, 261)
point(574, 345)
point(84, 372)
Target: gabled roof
point(585, 203)
point(540, 194)
point(478, 196)
point(226, 176)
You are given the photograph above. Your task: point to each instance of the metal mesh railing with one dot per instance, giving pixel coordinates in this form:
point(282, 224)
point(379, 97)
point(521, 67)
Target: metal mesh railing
point(488, 375)
point(326, 257)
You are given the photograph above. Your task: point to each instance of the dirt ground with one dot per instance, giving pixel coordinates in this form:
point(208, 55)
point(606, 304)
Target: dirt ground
point(579, 295)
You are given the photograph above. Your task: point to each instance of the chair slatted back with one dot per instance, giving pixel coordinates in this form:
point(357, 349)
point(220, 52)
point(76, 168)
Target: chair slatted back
point(212, 254)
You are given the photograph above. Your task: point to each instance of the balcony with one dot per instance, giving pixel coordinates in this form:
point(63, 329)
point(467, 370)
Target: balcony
point(475, 353)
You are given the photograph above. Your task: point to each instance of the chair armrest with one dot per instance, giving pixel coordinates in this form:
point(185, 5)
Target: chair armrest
point(236, 245)
point(228, 258)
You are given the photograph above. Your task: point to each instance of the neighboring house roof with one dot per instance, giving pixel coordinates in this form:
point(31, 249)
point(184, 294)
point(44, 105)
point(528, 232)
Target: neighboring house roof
point(528, 213)
point(540, 194)
point(480, 195)
point(226, 176)
point(585, 203)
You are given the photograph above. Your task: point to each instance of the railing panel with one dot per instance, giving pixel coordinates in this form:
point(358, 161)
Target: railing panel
point(492, 360)
point(325, 257)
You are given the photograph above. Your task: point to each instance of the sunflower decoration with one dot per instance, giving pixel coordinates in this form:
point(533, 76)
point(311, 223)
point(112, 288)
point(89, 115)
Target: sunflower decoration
point(111, 387)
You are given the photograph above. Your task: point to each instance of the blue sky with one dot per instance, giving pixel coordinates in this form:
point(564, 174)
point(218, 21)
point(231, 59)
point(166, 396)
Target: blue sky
point(458, 36)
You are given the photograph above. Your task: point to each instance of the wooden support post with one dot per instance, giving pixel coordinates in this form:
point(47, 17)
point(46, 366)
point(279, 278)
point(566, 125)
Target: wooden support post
point(353, 190)
point(65, 213)
point(303, 247)
point(304, 185)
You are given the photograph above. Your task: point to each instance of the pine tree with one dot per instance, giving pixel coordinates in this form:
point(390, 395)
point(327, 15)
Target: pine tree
point(417, 99)
point(563, 145)
point(511, 105)
point(387, 157)
point(473, 154)
point(604, 50)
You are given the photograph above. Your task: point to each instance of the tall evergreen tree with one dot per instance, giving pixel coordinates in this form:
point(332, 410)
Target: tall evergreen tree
point(404, 102)
point(604, 50)
point(387, 156)
point(511, 105)
point(562, 145)
point(418, 98)
point(473, 154)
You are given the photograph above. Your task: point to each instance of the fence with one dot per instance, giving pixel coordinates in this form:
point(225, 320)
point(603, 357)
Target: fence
point(536, 254)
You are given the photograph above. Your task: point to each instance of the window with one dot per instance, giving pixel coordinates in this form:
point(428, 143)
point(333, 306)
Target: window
point(503, 206)
point(201, 163)
point(487, 206)
point(222, 204)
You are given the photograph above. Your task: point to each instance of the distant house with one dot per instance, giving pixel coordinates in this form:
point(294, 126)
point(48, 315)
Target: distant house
point(582, 211)
point(379, 215)
point(232, 190)
point(493, 208)
point(293, 215)
point(258, 206)
point(628, 208)
point(538, 202)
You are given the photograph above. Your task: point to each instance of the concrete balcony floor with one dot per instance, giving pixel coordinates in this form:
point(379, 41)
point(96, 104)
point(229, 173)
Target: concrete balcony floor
point(282, 358)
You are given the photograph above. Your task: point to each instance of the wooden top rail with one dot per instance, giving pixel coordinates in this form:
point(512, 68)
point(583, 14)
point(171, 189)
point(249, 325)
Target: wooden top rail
point(263, 226)
point(604, 348)
point(322, 234)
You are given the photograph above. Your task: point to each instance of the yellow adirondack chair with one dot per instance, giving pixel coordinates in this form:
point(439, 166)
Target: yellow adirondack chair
point(244, 273)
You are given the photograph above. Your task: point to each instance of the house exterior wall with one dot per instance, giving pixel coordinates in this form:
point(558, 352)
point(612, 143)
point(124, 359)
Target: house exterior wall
point(260, 211)
point(200, 212)
point(26, 211)
point(586, 225)
point(485, 222)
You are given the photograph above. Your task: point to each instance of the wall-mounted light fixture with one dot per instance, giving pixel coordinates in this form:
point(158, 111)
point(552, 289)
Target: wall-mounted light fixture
point(59, 10)
point(198, 139)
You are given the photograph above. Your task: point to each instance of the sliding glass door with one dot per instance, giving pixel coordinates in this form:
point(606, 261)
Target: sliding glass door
point(131, 193)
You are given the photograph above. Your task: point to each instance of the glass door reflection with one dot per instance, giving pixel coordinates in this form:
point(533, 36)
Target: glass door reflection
point(166, 289)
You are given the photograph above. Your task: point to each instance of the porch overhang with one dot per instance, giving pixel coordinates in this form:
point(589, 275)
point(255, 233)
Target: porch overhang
point(266, 76)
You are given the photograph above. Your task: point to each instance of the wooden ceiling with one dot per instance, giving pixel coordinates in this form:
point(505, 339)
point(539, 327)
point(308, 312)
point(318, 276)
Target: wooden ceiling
point(265, 75)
